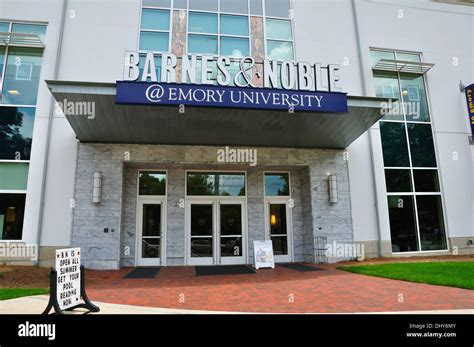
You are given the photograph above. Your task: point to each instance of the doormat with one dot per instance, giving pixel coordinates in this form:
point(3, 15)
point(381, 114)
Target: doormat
point(300, 267)
point(143, 272)
point(223, 270)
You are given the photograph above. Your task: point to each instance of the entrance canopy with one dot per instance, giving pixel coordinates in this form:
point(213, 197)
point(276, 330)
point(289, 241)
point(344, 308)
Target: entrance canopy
point(94, 116)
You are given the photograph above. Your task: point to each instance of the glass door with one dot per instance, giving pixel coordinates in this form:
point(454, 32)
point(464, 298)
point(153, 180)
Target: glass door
point(201, 221)
point(216, 231)
point(279, 229)
point(230, 232)
point(150, 233)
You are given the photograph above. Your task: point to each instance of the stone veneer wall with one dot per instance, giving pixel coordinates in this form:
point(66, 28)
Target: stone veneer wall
point(312, 215)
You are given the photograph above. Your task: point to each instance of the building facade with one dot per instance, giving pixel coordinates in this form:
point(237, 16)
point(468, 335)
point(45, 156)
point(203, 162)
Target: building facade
point(141, 184)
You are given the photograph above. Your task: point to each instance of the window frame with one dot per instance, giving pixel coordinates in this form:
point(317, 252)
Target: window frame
point(412, 168)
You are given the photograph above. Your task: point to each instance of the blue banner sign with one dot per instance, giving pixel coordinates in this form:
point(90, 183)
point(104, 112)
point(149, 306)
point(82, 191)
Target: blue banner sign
point(470, 105)
point(152, 93)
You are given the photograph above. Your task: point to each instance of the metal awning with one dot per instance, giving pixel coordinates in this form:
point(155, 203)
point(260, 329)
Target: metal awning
point(21, 39)
point(402, 66)
point(137, 124)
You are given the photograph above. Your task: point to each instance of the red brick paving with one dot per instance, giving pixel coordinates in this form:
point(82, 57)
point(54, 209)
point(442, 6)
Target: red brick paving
point(271, 291)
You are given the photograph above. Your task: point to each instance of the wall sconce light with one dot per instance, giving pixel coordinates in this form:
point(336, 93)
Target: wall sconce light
point(97, 188)
point(273, 219)
point(332, 180)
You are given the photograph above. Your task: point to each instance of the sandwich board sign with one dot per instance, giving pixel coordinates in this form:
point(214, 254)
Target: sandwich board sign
point(67, 283)
point(263, 254)
point(68, 268)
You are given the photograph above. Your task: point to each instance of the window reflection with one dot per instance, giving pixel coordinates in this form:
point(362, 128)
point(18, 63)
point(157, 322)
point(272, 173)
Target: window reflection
point(402, 223)
point(12, 207)
point(22, 76)
point(220, 184)
point(152, 183)
point(277, 184)
point(16, 132)
point(430, 218)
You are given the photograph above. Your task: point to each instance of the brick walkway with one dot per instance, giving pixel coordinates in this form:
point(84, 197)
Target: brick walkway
point(273, 290)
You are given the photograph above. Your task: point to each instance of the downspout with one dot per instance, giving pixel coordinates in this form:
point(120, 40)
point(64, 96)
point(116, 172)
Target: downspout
point(48, 136)
point(365, 91)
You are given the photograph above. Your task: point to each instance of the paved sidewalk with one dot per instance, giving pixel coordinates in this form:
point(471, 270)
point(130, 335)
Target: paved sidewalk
point(279, 290)
point(36, 304)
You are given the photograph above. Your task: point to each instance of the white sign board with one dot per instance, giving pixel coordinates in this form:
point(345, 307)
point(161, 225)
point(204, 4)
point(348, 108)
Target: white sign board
point(68, 284)
point(263, 254)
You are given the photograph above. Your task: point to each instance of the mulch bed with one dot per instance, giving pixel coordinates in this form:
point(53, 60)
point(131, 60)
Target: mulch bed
point(24, 277)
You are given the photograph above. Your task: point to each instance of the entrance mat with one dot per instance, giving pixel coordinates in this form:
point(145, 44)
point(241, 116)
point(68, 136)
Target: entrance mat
point(143, 272)
point(300, 267)
point(223, 270)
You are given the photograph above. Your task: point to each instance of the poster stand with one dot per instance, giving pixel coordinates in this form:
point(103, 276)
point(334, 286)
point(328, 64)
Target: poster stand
point(53, 298)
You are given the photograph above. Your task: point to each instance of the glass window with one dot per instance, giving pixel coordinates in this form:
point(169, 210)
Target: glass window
point(12, 209)
point(234, 25)
point(280, 50)
point(234, 6)
point(421, 145)
point(203, 23)
point(377, 55)
point(16, 132)
point(394, 144)
point(203, 5)
point(152, 183)
point(256, 7)
point(157, 3)
point(386, 86)
point(430, 218)
point(398, 181)
point(155, 19)
point(39, 30)
point(220, 184)
point(154, 41)
point(202, 44)
point(13, 176)
point(2, 58)
point(22, 76)
point(234, 46)
point(426, 180)
point(181, 4)
point(402, 223)
point(414, 97)
point(277, 8)
point(277, 184)
point(409, 57)
point(278, 29)
point(4, 27)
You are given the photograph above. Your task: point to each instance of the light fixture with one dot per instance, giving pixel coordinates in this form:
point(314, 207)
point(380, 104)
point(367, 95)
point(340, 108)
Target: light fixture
point(13, 92)
point(332, 182)
point(97, 188)
point(273, 219)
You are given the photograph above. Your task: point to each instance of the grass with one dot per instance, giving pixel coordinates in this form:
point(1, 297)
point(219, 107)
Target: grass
point(451, 274)
point(11, 293)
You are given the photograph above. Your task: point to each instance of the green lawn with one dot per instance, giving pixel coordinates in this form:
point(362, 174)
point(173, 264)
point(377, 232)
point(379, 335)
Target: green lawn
point(451, 274)
point(11, 293)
